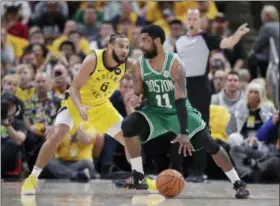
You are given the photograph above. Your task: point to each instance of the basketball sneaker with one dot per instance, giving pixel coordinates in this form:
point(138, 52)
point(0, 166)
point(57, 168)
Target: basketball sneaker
point(28, 200)
point(29, 185)
point(242, 191)
point(136, 181)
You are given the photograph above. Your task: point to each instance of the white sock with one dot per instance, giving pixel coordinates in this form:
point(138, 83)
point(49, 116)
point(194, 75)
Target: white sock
point(36, 171)
point(136, 164)
point(232, 175)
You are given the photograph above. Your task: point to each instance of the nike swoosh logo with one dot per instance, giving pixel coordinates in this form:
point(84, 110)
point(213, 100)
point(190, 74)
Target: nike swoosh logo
point(147, 74)
point(141, 181)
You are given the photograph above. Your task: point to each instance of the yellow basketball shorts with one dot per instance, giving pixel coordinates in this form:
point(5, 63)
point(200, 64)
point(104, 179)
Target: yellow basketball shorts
point(103, 118)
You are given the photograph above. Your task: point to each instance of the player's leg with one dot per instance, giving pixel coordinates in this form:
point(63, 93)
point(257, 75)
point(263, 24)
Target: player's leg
point(116, 132)
point(221, 158)
point(62, 126)
point(133, 126)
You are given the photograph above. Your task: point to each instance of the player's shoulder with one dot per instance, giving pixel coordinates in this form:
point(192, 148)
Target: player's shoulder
point(176, 58)
point(95, 54)
point(91, 57)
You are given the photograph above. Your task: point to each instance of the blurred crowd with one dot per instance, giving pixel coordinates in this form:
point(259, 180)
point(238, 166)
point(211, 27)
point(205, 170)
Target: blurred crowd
point(43, 44)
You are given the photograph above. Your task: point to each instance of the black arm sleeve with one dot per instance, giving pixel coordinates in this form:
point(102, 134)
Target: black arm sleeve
point(182, 114)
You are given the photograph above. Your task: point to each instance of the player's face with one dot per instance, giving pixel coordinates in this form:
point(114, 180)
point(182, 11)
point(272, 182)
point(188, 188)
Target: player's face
point(120, 51)
point(148, 46)
point(193, 21)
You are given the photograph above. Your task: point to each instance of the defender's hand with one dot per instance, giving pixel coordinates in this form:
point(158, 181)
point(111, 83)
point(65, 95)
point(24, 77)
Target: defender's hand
point(185, 144)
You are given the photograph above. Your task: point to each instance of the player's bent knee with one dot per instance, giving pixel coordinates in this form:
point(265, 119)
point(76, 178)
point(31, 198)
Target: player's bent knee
point(208, 143)
point(59, 132)
point(212, 147)
point(215, 149)
point(129, 128)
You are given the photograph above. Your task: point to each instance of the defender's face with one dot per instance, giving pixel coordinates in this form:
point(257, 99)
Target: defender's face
point(121, 48)
point(148, 46)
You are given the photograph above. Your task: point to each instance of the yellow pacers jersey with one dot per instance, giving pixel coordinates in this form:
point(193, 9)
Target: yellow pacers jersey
point(102, 83)
point(96, 93)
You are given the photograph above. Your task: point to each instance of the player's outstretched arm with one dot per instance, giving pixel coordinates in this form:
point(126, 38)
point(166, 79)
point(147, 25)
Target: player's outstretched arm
point(231, 41)
point(178, 73)
point(79, 81)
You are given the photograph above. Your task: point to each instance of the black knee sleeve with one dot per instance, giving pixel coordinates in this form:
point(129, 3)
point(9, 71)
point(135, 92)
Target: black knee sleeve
point(204, 139)
point(215, 149)
point(134, 125)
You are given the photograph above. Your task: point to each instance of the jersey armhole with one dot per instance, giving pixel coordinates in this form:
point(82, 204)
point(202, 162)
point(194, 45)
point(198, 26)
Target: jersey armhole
point(94, 53)
point(175, 56)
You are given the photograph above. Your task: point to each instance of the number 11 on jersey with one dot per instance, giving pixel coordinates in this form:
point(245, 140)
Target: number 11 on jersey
point(166, 99)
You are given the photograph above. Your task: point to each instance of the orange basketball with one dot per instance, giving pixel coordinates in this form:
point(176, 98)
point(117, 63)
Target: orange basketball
point(170, 183)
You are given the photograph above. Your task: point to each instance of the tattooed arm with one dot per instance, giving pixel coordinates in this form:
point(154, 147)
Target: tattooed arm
point(134, 66)
point(134, 99)
point(178, 74)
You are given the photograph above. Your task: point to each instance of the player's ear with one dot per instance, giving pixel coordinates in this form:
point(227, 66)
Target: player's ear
point(157, 41)
point(110, 46)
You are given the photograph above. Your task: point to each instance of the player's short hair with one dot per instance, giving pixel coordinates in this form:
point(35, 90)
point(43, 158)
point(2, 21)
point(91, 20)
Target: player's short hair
point(114, 36)
point(154, 31)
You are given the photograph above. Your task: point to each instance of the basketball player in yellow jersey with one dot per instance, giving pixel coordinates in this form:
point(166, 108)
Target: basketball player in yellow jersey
point(87, 100)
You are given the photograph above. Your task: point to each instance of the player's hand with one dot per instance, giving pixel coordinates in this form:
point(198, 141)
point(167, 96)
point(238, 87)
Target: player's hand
point(132, 100)
point(243, 29)
point(185, 144)
point(83, 112)
point(136, 101)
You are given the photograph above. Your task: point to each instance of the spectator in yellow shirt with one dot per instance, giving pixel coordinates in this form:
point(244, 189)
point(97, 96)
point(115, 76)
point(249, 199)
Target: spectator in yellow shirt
point(74, 156)
point(208, 9)
point(18, 44)
point(219, 119)
point(167, 16)
point(83, 44)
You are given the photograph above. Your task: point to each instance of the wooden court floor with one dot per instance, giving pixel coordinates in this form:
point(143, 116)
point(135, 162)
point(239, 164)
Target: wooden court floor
point(103, 193)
